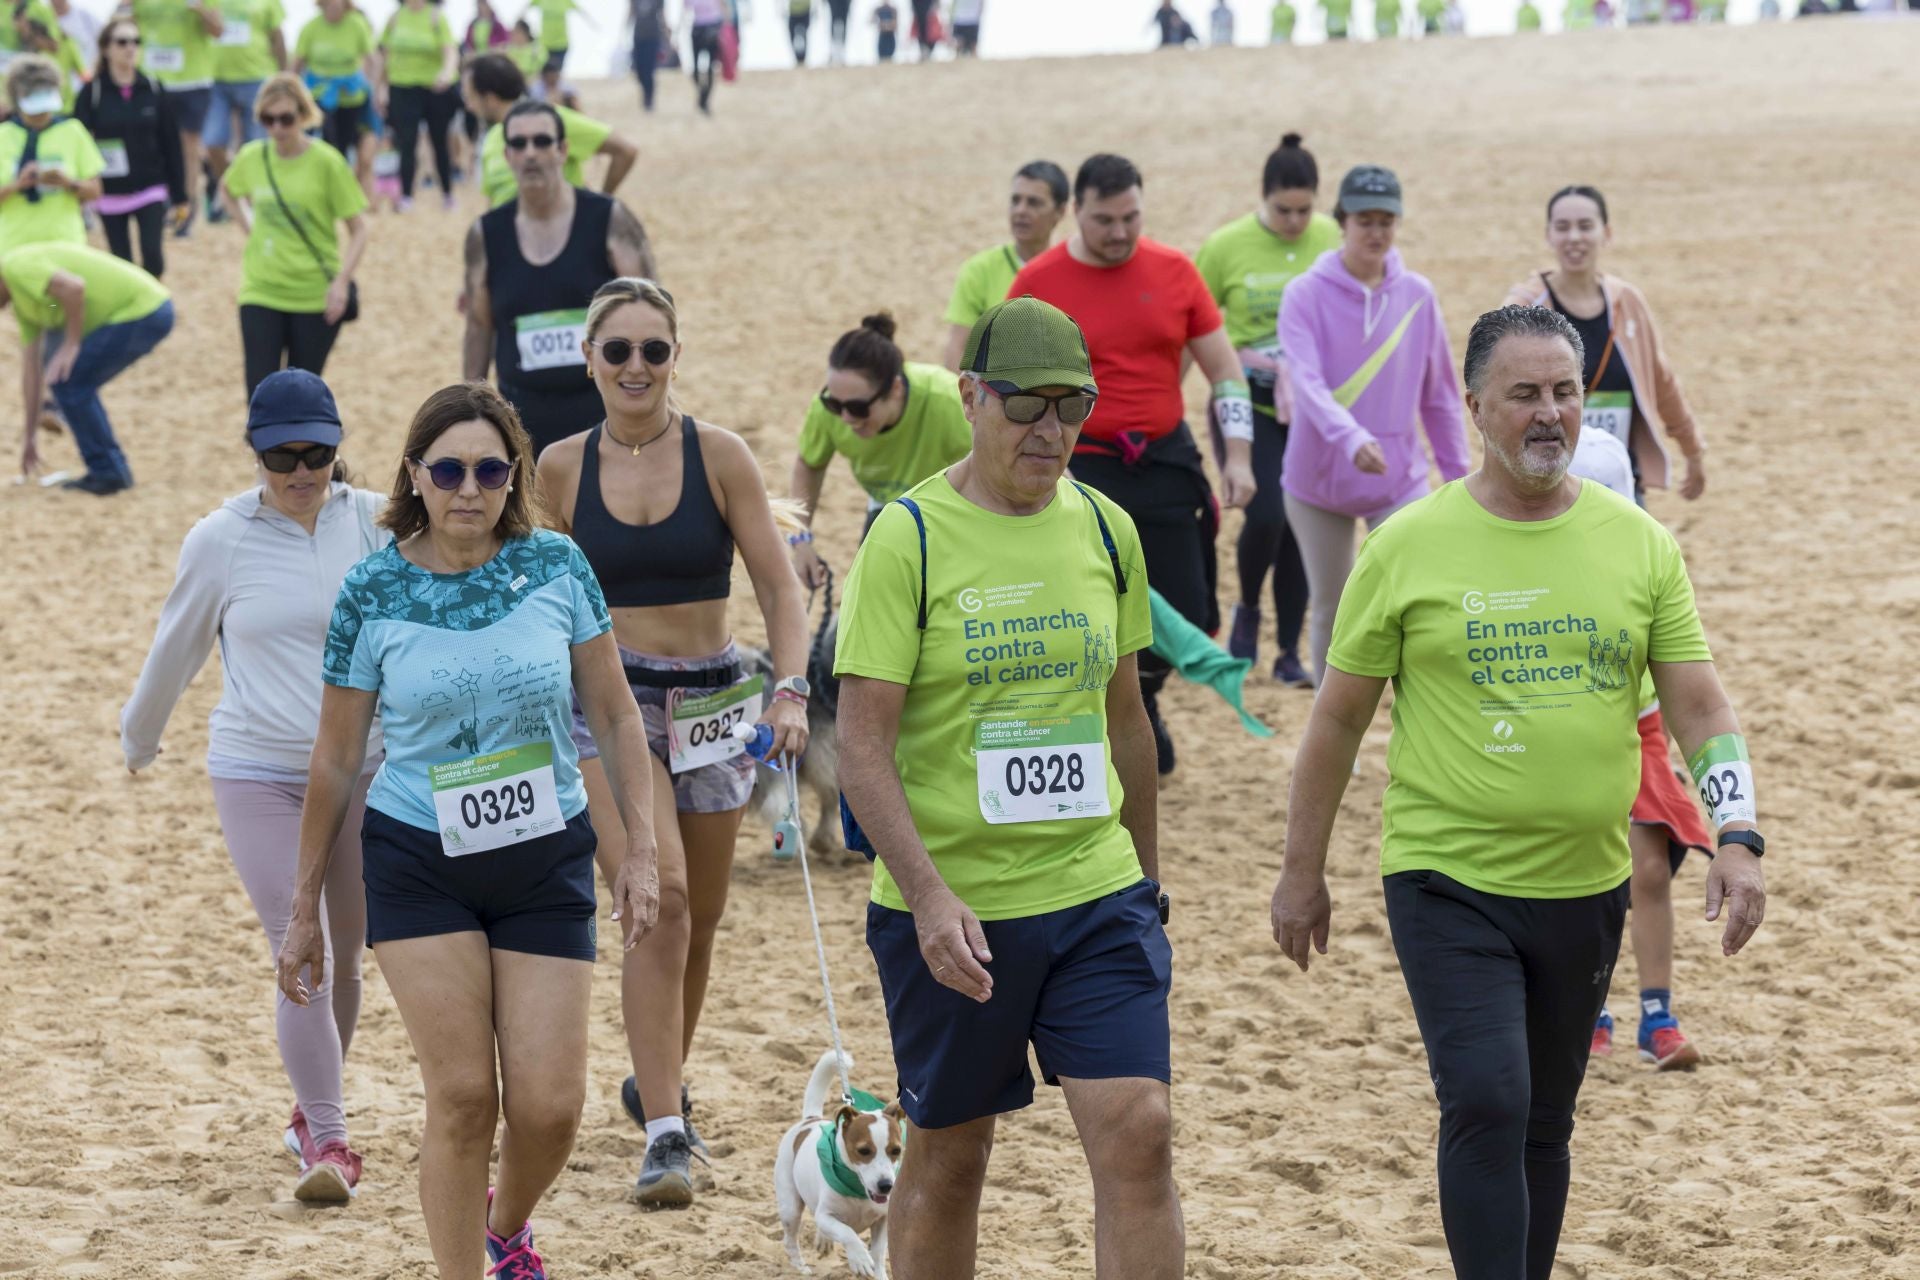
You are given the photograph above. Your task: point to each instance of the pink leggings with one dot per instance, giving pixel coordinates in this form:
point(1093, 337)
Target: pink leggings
point(262, 825)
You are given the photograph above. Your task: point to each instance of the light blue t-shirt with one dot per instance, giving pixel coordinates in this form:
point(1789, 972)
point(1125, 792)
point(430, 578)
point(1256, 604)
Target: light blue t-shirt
point(467, 664)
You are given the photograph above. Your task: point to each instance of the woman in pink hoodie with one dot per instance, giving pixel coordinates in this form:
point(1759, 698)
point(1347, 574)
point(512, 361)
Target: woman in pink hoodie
point(1367, 352)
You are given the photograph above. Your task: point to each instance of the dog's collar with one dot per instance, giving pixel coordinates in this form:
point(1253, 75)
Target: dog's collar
point(838, 1173)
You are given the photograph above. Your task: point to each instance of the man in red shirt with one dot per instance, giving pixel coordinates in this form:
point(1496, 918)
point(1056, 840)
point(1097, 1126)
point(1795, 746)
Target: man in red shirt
point(1142, 306)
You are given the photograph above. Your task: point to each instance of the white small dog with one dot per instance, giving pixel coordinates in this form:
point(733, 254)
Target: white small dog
point(842, 1166)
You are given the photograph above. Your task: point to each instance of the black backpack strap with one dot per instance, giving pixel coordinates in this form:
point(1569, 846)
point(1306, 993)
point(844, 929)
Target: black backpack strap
point(920, 523)
point(1106, 539)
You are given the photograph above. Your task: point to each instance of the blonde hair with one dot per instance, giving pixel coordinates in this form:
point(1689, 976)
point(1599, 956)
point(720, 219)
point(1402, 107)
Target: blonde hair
point(620, 291)
point(288, 86)
point(31, 73)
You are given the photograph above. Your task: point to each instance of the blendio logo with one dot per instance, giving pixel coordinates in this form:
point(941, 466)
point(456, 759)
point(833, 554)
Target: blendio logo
point(1504, 731)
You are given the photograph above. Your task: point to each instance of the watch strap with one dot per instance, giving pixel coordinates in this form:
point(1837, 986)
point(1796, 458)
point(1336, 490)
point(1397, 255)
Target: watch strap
point(1748, 839)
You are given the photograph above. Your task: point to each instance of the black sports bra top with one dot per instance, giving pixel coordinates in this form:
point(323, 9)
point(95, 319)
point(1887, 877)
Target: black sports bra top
point(687, 556)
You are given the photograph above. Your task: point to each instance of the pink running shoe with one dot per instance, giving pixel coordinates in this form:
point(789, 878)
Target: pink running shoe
point(299, 1139)
point(332, 1178)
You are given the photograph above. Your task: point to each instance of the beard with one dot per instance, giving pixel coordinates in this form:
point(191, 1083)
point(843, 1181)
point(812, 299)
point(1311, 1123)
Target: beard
point(1534, 466)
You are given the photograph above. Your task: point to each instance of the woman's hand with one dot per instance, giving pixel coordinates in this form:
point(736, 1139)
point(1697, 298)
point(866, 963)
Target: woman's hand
point(1371, 459)
point(808, 564)
point(337, 299)
point(303, 948)
point(789, 720)
point(636, 893)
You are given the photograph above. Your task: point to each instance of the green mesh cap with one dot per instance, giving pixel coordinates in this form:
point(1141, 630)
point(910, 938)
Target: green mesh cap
point(1031, 344)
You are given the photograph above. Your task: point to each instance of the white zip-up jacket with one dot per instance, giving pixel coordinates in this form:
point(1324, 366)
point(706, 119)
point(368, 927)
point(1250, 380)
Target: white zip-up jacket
point(259, 583)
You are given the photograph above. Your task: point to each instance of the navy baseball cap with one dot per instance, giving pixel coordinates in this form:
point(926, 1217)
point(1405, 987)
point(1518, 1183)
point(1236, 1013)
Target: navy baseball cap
point(292, 405)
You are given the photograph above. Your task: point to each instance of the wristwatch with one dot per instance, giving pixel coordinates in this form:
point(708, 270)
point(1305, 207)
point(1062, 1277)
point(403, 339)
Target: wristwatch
point(798, 686)
point(1166, 907)
point(1751, 839)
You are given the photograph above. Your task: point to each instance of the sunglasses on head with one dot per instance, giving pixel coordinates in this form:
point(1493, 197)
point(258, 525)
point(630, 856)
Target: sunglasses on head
point(1028, 407)
point(451, 473)
point(619, 350)
point(285, 119)
point(282, 459)
point(862, 408)
point(538, 141)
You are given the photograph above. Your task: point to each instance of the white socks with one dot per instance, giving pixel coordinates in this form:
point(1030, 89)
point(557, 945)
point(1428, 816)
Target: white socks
point(657, 1129)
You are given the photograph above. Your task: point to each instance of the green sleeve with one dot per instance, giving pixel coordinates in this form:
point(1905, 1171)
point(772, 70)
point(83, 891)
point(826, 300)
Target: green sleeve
point(585, 136)
point(1676, 634)
point(816, 437)
point(444, 29)
point(345, 195)
point(27, 276)
point(276, 16)
point(303, 43)
point(1207, 261)
point(967, 305)
point(1366, 629)
point(386, 33)
point(879, 634)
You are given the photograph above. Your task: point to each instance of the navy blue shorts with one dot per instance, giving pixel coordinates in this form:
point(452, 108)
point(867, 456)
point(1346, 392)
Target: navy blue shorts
point(1086, 986)
point(190, 107)
point(536, 896)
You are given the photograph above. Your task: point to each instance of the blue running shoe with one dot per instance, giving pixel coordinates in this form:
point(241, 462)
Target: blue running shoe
point(514, 1259)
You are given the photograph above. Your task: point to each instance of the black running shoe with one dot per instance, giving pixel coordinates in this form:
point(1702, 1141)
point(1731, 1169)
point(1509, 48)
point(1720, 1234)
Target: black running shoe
point(630, 1099)
point(1243, 641)
point(666, 1176)
point(1288, 671)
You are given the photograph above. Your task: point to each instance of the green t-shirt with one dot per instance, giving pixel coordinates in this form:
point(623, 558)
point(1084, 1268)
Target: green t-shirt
point(416, 42)
point(585, 136)
point(1527, 19)
point(1386, 18)
point(1283, 20)
point(64, 145)
point(1337, 15)
point(279, 270)
point(983, 280)
point(1579, 15)
point(336, 50)
point(1431, 12)
point(931, 436)
point(1516, 651)
point(1247, 267)
point(553, 22)
point(243, 51)
point(176, 49)
point(117, 291)
point(530, 57)
point(1015, 660)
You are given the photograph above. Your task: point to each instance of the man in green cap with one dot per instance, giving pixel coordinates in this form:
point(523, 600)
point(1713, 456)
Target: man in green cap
point(997, 760)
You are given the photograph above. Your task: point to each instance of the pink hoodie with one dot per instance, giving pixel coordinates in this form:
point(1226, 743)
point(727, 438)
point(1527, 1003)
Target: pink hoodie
point(1365, 365)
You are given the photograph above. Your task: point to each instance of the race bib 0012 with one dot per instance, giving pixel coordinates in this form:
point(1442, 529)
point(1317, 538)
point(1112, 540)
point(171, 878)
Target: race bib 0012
point(551, 339)
point(495, 800)
point(1611, 412)
point(113, 158)
point(1042, 770)
point(700, 730)
point(161, 57)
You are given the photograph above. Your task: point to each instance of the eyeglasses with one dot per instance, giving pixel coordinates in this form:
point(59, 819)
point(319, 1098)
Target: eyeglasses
point(285, 119)
point(451, 473)
point(855, 408)
point(538, 141)
point(654, 351)
point(282, 459)
point(1028, 407)
point(126, 42)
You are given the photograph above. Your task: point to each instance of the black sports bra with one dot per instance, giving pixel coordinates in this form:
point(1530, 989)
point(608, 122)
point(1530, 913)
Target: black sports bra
point(687, 556)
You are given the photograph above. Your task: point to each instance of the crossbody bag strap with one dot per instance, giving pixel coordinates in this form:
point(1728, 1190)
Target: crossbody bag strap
point(266, 159)
point(1106, 539)
point(920, 523)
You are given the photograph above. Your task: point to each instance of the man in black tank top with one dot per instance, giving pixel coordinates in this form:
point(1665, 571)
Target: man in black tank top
point(532, 267)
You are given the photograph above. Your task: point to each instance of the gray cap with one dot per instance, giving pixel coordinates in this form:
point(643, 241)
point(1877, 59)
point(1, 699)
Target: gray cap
point(1370, 186)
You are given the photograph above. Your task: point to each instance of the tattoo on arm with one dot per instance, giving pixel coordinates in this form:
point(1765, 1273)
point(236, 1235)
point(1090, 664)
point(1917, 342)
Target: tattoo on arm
point(627, 243)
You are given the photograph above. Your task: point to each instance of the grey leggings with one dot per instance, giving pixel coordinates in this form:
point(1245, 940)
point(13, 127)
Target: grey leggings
point(1327, 548)
point(262, 825)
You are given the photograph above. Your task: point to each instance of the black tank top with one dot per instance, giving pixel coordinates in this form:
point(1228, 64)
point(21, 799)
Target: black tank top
point(687, 556)
point(521, 292)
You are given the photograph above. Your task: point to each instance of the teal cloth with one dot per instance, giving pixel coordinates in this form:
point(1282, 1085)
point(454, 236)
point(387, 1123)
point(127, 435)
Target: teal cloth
point(838, 1174)
point(1198, 659)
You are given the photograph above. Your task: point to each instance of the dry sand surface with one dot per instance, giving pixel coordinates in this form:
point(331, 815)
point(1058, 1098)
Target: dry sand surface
point(1764, 188)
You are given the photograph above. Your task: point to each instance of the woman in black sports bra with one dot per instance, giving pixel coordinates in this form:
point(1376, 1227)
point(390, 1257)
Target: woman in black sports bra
point(658, 502)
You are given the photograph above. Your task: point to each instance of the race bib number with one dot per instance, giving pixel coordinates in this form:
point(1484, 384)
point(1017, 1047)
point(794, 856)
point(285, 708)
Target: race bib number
point(113, 157)
point(700, 730)
point(162, 57)
point(551, 339)
point(1725, 777)
point(491, 801)
point(235, 33)
point(1611, 412)
point(1041, 770)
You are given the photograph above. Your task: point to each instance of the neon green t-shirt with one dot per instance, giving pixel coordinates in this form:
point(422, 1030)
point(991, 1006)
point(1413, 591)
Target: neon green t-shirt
point(983, 281)
point(530, 57)
point(585, 136)
point(243, 51)
point(176, 49)
point(1013, 666)
point(1248, 267)
point(931, 436)
point(1386, 18)
point(117, 291)
point(1516, 651)
point(336, 50)
point(1527, 19)
point(553, 23)
point(1338, 12)
point(416, 42)
point(1431, 12)
point(278, 270)
point(64, 145)
point(1283, 19)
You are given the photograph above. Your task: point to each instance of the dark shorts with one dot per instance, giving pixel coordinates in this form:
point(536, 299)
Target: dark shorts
point(556, 58)
point(535, 897)
point(190, 107)
point(1087, 986)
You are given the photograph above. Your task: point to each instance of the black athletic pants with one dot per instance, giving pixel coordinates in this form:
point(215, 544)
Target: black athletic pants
point(410, 106)
point(1266, 540)
point(798, 25)
point(646, 61)
point(1506, 991)
point(153, 224)
point(706, 50)
point(274, 340)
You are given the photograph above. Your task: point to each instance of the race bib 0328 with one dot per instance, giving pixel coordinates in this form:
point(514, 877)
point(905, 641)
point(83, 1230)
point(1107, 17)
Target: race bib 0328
point(1042, 770)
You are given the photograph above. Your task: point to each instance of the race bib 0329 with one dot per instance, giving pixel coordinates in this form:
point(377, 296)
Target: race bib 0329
point(1042, 770)
point(491, 801)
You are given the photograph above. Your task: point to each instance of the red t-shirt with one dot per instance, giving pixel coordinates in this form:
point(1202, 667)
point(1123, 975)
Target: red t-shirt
point(1137, 317)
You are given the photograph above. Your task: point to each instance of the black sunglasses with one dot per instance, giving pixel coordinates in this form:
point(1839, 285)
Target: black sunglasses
point(282, 459)
point(285, 119)
point(538, 141)
point(126, 41)
point(1028, 407)
point(451, 473)
point(620, 350)
point(858, 408)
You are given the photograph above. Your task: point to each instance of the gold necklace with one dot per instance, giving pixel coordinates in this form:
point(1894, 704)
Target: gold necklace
point(636, 448)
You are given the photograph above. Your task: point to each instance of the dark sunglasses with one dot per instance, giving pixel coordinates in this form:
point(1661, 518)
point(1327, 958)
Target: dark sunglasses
point(285, 119)
point(282, 459)
point(620, 350)
point(857, 408)
point(451, 473)
point(127, 41)
point(538, 141)
point(1027, 407)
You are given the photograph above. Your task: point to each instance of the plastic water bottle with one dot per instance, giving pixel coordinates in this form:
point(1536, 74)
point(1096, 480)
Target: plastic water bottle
point(758, 739)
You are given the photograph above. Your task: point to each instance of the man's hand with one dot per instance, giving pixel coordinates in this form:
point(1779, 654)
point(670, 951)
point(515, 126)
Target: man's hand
point(1735, 880)
point(1302, 915)
point(61, 365)
point(1236, 484)
point(1371, 459)
point(954, 945)
point(1696, 482)
point(808, 564)
point(30, 451)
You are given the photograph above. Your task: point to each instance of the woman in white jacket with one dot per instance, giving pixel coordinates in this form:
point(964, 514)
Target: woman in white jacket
point(260, 575)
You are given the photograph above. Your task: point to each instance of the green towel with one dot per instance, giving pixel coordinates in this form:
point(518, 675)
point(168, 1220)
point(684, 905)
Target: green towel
point(1197, 658)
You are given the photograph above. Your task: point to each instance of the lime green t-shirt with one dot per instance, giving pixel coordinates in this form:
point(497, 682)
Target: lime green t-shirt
point(1248, 267)
point(1579, 15)
point(416, 43)
point(175, 47)
point(335, 50)
point(1283, 20)
point(983, 281)
point(1386, 18)
point(1338, 12)
point(64, 145)
point(243, 51)
point(529, 57)
point(1516, 651)
point(1014, 665)
point(1431, 12)
point(931, 436)
point(553, 23)
point(279, 271)
point(585, 136)
point(1527, 19)
point(117, 291)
